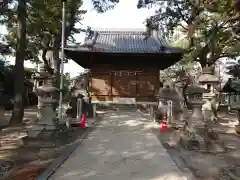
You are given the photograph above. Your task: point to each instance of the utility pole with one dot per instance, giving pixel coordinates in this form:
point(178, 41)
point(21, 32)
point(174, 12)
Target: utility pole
point(60, 109)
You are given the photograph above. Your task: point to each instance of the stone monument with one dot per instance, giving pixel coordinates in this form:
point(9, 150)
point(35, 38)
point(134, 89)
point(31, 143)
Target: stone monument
point(169, 94)
point(45, 90)
point(79, 90)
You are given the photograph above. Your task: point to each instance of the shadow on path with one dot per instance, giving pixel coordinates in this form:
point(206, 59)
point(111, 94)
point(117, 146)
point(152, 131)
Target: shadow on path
point(122, 147)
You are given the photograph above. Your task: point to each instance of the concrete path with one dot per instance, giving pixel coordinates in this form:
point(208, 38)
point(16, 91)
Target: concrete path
point(121, 148)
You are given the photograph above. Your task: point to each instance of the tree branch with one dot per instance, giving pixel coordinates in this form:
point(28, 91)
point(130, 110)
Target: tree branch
point(215, 57)
point(180, 13)
point(183, 27)
point(231, 18)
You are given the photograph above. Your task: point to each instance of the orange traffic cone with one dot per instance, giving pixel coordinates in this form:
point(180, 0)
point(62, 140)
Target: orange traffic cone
point(163, 125)
point(83, 121)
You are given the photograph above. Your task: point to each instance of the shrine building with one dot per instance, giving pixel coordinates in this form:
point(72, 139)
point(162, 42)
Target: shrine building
point(124, 64)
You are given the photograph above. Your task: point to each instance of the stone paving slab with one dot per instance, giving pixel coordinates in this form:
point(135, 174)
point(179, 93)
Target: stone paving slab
point(121, 148)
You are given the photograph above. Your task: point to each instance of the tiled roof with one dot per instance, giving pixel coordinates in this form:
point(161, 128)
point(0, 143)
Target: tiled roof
point(124, 41)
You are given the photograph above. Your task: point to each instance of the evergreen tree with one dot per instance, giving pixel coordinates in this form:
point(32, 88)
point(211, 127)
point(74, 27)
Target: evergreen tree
point(212, 27)
point(34, 27)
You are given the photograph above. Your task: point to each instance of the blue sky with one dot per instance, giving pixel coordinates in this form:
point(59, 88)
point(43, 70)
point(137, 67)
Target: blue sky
point(124, 15)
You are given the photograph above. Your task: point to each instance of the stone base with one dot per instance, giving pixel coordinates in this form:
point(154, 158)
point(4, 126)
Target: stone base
point(189, 142)
point(177, 124)
point(34, 130)
point(234, 173)
point(213, 142)
point(198, 141)
point(46, 117)
point(216, 147)
point(237, 128)
point(47, 125)
point(76, 122)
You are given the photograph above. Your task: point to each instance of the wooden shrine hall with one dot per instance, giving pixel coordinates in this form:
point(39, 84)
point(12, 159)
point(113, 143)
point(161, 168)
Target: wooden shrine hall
point(124, 64)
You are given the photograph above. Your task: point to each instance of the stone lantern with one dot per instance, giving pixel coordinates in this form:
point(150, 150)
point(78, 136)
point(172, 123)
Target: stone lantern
point(195, 100)
point(200, 120)
point(190, 138)
point(235, 84)
point(46, 93)
point(209, 82)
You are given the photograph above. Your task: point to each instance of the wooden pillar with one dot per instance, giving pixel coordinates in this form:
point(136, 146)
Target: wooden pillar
point(111, 84)
point(94, 110)
point(137, 83)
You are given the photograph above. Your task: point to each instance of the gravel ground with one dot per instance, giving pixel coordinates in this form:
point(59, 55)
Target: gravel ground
point(24, 158)
point(210, 166)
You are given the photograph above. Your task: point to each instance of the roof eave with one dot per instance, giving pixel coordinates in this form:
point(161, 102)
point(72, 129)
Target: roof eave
point(84, 49)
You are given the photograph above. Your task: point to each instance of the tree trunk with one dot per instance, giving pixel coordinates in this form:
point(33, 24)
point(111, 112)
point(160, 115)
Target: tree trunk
point(187, 83)
point(184, 94)
point(56, 60)
point(56, 67)
point(18, 110)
